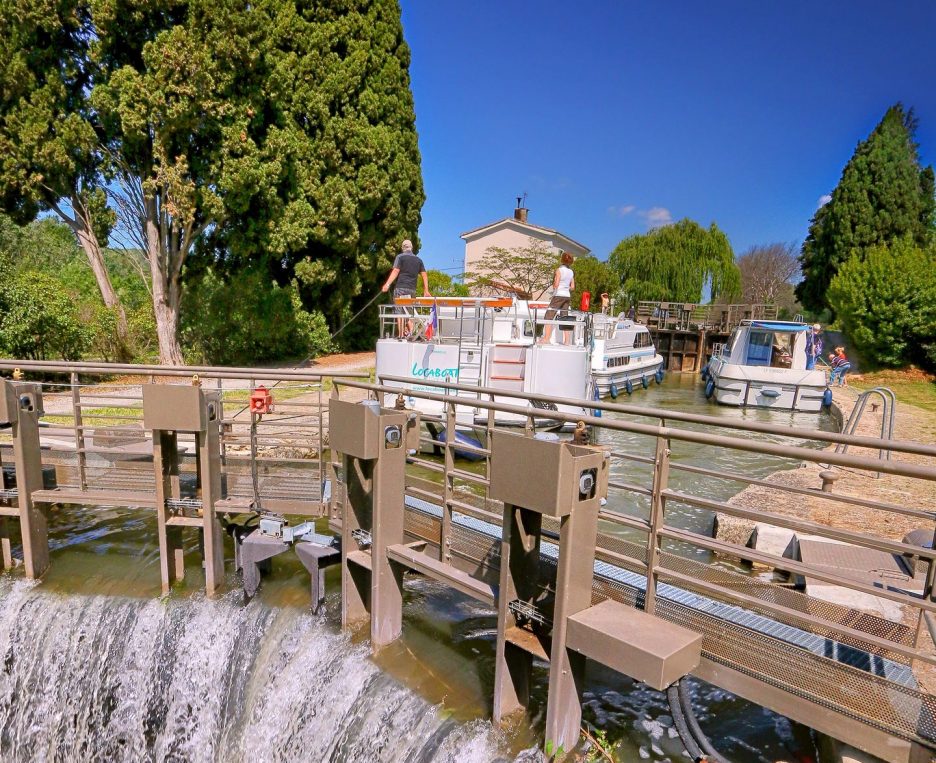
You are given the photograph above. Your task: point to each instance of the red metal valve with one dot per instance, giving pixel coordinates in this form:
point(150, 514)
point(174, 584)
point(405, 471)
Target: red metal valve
point(261, 400)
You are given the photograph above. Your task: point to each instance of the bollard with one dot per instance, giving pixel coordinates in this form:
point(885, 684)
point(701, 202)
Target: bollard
point(167, 410)
point(371, 441)
point(536, 478)
point(20, 409)
point(828, 480)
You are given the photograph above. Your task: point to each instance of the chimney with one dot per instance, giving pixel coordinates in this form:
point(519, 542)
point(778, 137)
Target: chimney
point(520, 213)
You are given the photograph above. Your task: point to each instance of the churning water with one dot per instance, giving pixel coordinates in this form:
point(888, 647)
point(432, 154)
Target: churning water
point(91, 677)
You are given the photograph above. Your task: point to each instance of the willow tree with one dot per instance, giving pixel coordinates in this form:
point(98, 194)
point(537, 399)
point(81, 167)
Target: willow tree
point(883, 195)
point(675, 263)
point(280, 129)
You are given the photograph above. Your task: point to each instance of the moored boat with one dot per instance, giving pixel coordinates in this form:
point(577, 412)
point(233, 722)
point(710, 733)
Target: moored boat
point(764, 364)
point(623, 356)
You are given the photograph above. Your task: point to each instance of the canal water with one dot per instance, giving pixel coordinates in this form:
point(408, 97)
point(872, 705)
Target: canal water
point(97, 666)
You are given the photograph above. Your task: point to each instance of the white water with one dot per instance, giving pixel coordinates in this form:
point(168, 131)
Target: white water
point(103, 678)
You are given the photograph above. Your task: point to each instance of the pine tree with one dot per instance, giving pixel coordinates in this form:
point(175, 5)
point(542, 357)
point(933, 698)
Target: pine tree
point(883, 195)
point(674, 263)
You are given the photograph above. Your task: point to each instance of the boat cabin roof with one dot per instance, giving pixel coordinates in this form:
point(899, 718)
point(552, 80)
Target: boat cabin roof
point(776, 325)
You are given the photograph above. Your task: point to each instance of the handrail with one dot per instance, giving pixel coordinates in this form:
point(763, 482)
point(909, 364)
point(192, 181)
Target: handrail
point(900, 446)
point(901, 468)
point(207, 372)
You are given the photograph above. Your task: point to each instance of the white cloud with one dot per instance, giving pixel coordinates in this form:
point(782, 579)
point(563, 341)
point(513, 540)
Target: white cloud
point(823, 200)
point(657, 217)
point(621, 211)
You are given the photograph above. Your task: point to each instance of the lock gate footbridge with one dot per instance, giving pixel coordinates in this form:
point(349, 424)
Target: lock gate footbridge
point(579, 558)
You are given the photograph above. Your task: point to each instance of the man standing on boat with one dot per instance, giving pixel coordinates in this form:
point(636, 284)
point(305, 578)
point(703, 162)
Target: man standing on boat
point(407, 268)
point(813, 346)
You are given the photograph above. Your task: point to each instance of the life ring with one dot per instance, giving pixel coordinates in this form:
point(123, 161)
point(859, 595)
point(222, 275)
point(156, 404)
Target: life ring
point(628, 386)
point(659, 376)
point(710, 388)
point(613, 391)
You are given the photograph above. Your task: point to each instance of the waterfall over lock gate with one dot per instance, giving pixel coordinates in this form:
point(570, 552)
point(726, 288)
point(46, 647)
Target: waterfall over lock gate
point(97, 678)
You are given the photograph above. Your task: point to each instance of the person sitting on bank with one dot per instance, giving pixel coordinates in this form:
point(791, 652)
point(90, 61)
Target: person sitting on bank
point(813, 346)
point(407, 268)
point(840, 367)
point(563, 284)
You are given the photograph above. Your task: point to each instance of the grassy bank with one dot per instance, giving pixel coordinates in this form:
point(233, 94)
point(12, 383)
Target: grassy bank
point(911, 386)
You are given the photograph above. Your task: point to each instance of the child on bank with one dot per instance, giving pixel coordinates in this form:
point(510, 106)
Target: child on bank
point(840, 367)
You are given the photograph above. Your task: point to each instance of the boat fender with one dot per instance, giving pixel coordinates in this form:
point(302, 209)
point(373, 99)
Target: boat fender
point(596, 396)
point(644, 382)
point(659, 376)
point(770, 393)
point(613, 391)
point(827, 398)
point(704, 372)
point(710, 388)
point(628, 386)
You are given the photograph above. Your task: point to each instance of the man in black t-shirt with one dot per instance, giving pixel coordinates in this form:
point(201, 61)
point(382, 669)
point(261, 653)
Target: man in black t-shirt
point(407, 269)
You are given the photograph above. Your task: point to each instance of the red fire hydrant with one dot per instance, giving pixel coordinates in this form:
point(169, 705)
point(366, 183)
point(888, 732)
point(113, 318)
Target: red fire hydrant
point(261, 400)
point(586, 301)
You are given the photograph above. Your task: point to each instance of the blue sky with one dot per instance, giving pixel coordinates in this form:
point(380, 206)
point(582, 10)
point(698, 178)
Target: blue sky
point(613, 116)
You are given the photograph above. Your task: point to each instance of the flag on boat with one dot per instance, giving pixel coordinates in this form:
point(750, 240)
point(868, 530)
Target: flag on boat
point(433, 323)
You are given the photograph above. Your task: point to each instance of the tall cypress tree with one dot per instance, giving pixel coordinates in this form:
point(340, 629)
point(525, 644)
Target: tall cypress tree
point(883, 195)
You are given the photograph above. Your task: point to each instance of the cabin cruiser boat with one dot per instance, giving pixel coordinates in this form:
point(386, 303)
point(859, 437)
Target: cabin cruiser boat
point(623, 355)
point(764, 364)
point(485, 342)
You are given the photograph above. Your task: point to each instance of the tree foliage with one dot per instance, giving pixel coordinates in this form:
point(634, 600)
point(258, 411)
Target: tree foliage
point(443, 285)
point(594, 276)
point(674, 263)
point(277, 131)
point(525, 271)
point(883, 195)
point(767, 276)
point(886, 303)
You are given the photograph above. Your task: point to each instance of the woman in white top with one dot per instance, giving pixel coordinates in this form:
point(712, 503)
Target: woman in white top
point(563, 284)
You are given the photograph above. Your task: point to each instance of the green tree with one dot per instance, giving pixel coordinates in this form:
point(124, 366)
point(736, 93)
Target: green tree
point(443, 285)
point(883, 195)
point(594, 276)
point(524, 271)
point(886, 303)
point(38, 319)
point(674, 263)
point(239, 132)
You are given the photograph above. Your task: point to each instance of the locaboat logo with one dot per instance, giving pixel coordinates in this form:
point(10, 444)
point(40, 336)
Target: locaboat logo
point(434, 373)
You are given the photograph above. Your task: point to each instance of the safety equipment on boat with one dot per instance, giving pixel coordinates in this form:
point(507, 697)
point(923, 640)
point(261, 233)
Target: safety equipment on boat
point(659, 376)
point(586, 301)
point(644, 382)
point(704, 371)
point(628, 386)
point(596, 396)
point(710, 388)
point(827, 398)
point(613, 390)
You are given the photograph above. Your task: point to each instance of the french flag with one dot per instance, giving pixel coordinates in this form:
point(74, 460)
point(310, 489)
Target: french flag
point(433, 323)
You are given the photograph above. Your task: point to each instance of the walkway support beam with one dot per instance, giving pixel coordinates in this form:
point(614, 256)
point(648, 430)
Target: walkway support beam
point(371, 442)
point(20, 409)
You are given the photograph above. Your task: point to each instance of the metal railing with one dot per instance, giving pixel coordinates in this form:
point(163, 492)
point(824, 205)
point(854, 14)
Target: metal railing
point(811, 640)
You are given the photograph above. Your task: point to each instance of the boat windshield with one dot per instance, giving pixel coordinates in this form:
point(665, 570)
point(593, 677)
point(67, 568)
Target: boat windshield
point(770, 348)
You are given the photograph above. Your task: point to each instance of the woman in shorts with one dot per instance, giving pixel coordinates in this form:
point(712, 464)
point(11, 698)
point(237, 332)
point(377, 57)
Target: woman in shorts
point(563, 284)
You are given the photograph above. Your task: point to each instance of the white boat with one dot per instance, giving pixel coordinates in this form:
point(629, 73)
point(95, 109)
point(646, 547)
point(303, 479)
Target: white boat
point(764, 364)
point(486, 342)
point(623, 355)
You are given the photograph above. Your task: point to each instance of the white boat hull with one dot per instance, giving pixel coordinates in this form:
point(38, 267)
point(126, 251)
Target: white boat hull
point(765, 387)
point(641, 368)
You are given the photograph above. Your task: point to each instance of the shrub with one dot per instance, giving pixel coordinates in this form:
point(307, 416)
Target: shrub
point(38, 319)
point(886, 303)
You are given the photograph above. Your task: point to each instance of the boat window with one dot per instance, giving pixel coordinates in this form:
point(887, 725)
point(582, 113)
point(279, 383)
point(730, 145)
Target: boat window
point(734, 341)
point(643, 339)
point(528, 328)
point(782, 352)
point(760, 345)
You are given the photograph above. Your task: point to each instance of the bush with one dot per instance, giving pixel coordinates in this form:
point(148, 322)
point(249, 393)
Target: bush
point(38, 319)
point(247, 320)
point(886, 303)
